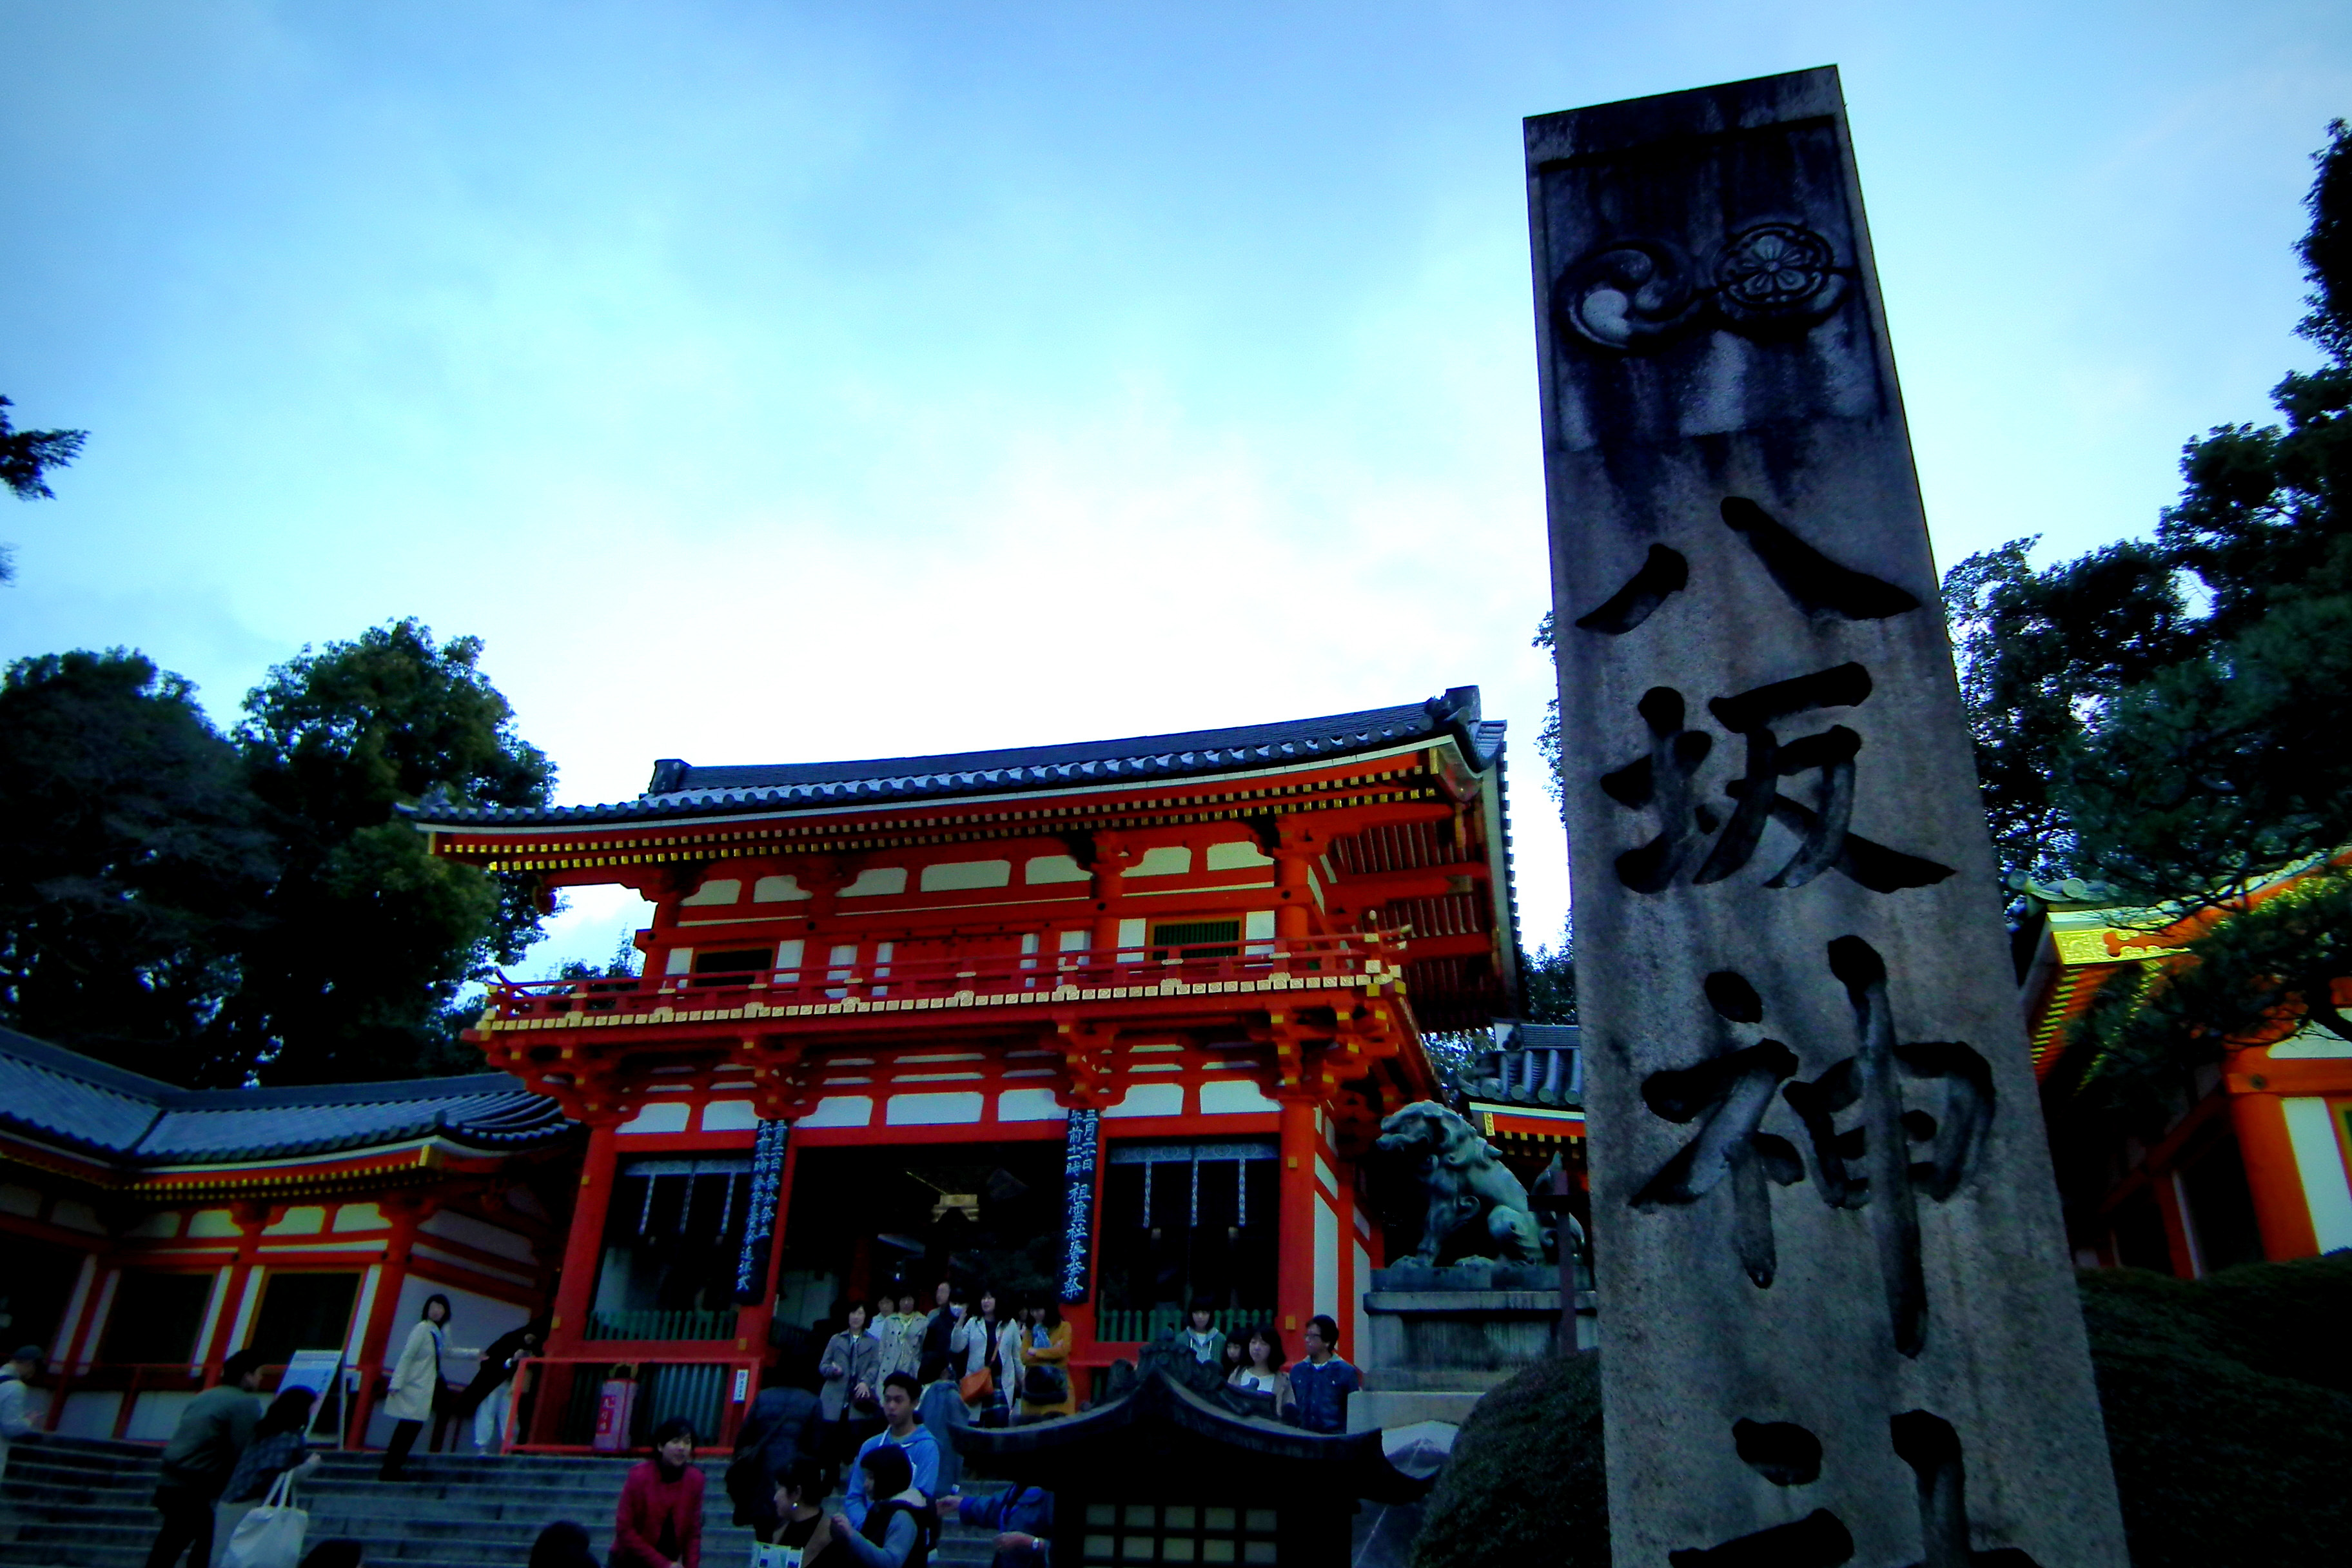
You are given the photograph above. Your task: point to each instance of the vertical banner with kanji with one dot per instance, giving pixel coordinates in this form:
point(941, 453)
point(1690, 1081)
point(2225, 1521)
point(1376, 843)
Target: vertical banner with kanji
point(1838, 1321)
point(1080, 1155)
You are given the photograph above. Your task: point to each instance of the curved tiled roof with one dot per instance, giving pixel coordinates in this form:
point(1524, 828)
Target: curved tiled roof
point(61, 1096)
point(680, 789)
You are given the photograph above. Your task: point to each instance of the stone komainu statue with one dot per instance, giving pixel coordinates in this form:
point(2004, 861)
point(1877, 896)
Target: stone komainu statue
point(1469, 1188)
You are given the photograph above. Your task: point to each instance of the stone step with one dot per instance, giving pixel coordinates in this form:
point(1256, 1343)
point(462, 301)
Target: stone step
point(85, 1503)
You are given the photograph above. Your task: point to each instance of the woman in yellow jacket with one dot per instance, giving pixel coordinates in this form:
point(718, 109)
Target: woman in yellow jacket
point(1044, 1363)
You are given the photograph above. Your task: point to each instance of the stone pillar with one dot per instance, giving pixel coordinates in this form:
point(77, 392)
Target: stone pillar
point(1837, 1313)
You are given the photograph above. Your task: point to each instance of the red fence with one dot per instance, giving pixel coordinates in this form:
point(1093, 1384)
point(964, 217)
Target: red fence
point(587, 1404)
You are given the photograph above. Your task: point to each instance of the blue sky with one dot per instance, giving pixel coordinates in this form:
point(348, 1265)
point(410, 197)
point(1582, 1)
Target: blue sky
point(769, 382)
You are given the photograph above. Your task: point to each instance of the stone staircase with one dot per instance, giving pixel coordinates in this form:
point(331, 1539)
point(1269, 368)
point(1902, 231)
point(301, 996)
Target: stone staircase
point(71, 1502)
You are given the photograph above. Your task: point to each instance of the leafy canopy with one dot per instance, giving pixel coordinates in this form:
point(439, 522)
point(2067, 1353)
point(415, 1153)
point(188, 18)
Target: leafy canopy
point(2183, 752)
point(25, 459)
point(2172, 719)
point(213, 909)
point(132, 860)
point(369, 937)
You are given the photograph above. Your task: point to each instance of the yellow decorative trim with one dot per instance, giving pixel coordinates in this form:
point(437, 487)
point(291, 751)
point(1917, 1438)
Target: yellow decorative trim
point(1368, 789)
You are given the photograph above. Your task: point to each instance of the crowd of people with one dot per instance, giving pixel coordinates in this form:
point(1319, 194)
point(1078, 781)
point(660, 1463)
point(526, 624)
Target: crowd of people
point(889, 1385)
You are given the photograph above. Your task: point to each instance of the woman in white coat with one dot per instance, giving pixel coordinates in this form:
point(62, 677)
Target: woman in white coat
point(416, 1382)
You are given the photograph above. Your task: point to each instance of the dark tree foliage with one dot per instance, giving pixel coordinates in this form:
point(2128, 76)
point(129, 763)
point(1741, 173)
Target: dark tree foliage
point(1548, 738)
point(132, 864)
point(2172, 719)
point(25, 459)
point(1525, 1483)
point(2229, 1412)
point(1548, 976)
point(2179, 755)
point(2228, 1417)
point(367, 938)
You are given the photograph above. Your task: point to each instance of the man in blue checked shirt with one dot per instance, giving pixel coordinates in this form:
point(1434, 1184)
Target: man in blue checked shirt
point(1322, 1383)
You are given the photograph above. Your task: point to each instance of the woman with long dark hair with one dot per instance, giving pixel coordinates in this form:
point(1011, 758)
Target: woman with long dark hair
point(280, 1443)
point(1046, 1389)
point(418, 1389)
point(1261, 1375)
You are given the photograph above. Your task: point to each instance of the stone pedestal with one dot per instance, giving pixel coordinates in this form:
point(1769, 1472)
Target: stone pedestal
point(1437, 1340)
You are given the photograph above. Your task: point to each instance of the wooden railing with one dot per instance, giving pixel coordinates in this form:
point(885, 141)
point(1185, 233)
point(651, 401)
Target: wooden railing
point(686, 1324)
point(1133, 1325)
point(1044, 976)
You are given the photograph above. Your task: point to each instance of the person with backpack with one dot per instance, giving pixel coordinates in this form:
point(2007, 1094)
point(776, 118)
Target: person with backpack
point(901, 1526)
point(781, 1427)
point(904, 1434)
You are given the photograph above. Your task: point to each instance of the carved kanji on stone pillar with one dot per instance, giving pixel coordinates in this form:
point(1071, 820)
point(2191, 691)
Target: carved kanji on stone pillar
point(1821, 1202)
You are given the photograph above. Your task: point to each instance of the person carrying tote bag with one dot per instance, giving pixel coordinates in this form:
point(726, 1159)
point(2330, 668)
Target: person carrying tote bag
point(280, 1447)
point(271, 1535)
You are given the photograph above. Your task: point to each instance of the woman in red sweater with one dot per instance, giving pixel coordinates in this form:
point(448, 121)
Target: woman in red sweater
point(659, 1521)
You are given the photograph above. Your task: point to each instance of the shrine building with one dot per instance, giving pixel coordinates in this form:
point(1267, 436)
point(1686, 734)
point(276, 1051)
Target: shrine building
point(151, 1230)
point(2248, 1165)
point(1115, 1021)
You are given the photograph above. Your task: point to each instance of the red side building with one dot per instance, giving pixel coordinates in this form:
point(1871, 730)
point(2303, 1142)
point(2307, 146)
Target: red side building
point(1116, 1020)
point(2252, 1158)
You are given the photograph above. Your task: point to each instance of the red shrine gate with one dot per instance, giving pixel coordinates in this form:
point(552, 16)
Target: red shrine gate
point(1117, 1018)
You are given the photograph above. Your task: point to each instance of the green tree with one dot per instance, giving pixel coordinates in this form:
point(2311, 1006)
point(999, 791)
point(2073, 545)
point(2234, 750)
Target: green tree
point(132, 860)
point(2182, 754)
point(1549, 977)
point(367, 938)
point(25, 459)
point(2172, 719)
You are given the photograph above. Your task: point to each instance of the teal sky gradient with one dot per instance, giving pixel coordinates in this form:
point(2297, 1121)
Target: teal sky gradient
point(772, 382)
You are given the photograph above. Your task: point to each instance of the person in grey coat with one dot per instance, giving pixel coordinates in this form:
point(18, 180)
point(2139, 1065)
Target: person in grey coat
point(850, 1367)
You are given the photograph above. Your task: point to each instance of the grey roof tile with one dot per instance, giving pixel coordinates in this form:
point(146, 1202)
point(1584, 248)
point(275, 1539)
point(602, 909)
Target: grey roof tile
point(680, 789)
point(50, 1092)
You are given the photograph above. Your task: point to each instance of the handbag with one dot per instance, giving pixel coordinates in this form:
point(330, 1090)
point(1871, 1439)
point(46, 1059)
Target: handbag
point(271, 1535)
point(1045, 1386)
point(977, 1386)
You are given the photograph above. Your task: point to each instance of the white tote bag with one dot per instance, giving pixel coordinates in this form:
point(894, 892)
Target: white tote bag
point(271, 1535)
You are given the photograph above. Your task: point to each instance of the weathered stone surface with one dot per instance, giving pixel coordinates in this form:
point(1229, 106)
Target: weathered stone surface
point(1838, 1305)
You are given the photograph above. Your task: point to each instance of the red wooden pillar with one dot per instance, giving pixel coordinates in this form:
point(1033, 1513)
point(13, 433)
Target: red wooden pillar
point(2164, 1190)
point(575, 1288)
point(252, 1218)
point(383, 1312)
point(2272, 1174)
point(1294, 1282)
